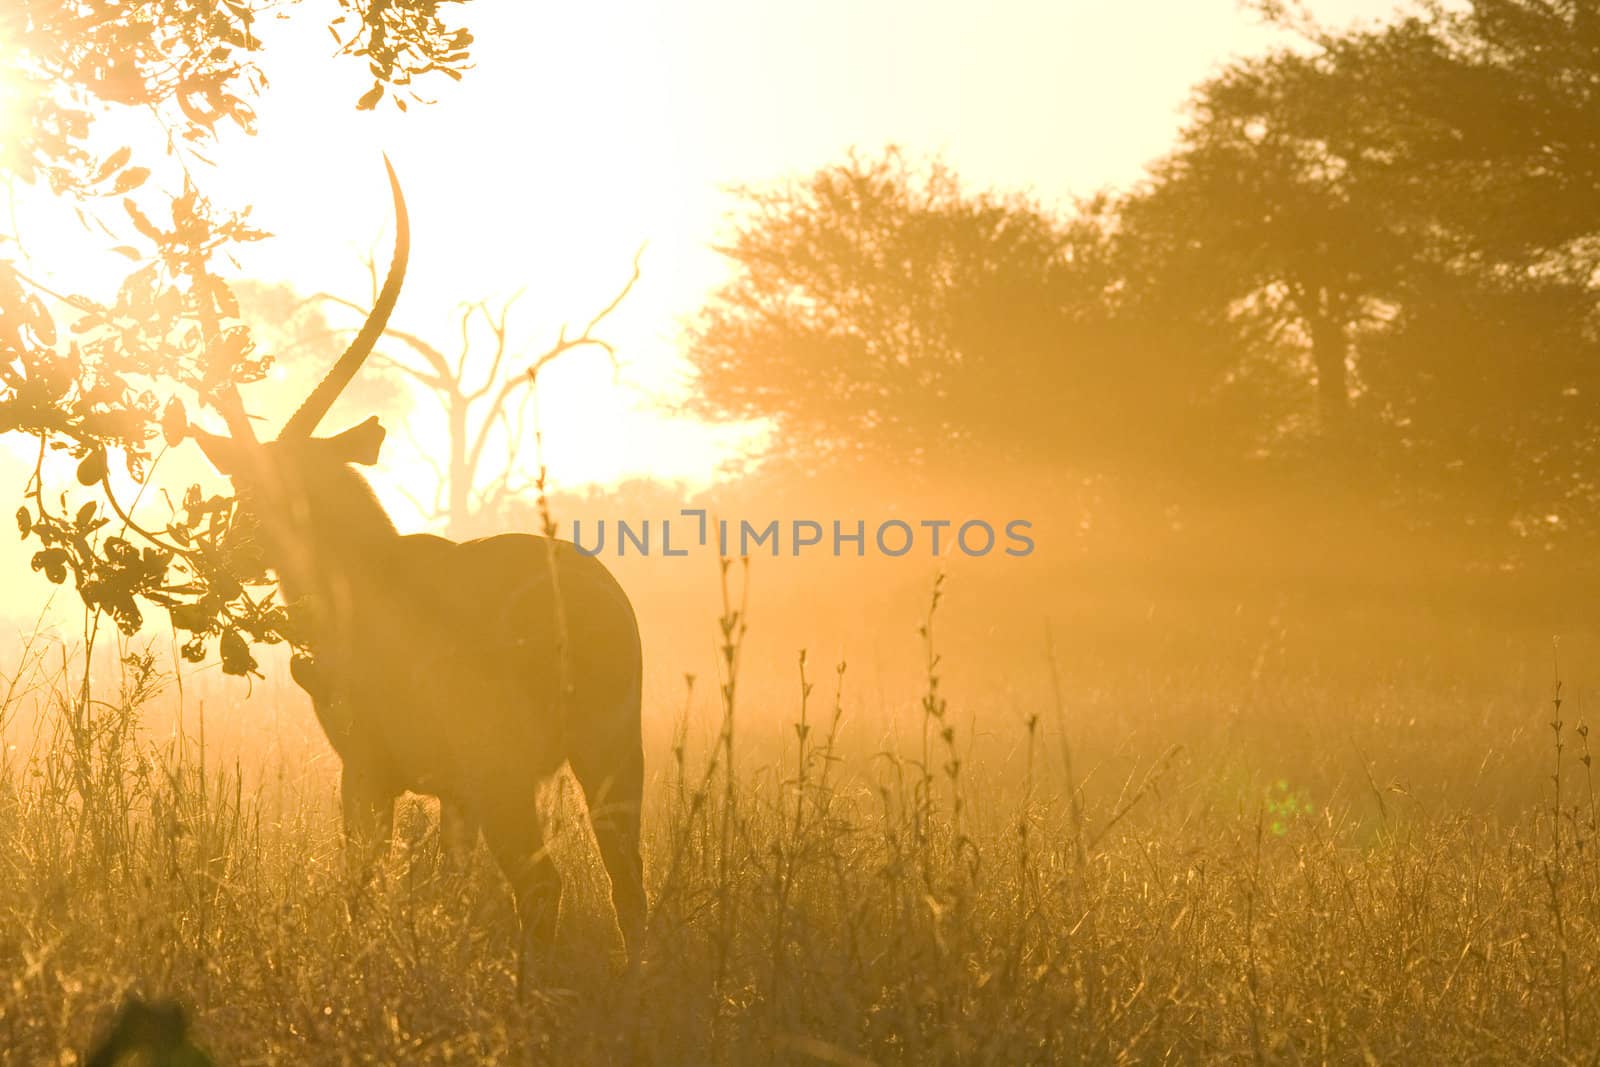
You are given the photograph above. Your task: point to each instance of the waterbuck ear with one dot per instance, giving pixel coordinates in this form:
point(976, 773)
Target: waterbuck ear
point(359, 444)
point(221, 451)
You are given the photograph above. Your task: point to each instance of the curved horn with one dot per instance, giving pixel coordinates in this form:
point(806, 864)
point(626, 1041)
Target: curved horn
point(304, 421)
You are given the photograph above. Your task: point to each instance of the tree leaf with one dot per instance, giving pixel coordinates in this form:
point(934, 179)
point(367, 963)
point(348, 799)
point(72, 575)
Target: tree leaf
point(93, 467)
point(174, 423)
point(113, 163)
point(130, 179)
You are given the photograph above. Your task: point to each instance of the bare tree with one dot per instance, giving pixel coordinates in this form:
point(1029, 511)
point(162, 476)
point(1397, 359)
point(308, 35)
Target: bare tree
point(483, 400)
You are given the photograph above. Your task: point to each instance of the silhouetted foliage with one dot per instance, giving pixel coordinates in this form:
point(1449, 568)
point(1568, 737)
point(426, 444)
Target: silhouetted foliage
point(878, 310)
point(1369, 264)
point(97, 376)
point(1416, 203)
point(1257, 218)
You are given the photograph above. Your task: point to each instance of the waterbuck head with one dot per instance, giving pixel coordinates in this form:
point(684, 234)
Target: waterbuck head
point(301, 504)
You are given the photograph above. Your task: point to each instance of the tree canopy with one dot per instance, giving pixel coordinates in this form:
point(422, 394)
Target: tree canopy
point(1369, 258)
point(880, 309)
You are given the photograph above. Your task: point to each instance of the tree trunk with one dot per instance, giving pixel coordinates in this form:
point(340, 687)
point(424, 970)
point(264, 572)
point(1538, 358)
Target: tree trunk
point(1330, 354)
point(460, 489)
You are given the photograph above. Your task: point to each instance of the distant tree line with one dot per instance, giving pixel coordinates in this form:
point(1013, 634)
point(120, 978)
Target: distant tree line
point(1368, 266)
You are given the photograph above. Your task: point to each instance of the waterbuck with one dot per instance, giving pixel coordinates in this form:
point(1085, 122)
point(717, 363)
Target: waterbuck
point(469, 671)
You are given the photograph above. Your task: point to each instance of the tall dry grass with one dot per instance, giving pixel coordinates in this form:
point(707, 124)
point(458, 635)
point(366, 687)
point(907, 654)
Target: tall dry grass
point(1029, 889)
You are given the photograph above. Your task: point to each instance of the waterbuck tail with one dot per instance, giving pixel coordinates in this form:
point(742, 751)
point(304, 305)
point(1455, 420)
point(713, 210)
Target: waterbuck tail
point(304, 421)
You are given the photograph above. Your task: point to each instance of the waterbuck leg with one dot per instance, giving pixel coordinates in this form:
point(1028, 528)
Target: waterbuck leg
point(614, 792)
point(517, 843)
point(368, 821)
point(458, 836)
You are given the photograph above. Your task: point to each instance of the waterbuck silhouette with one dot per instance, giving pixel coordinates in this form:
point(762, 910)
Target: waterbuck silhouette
point(470, 671)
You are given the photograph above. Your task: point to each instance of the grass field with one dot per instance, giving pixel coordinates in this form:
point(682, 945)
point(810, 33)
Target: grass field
point(1261, 843)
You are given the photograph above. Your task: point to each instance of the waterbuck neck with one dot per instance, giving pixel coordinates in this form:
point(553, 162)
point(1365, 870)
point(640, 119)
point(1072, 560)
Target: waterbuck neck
point(326, 529)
